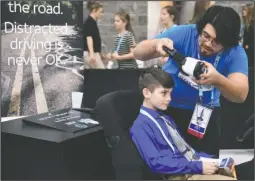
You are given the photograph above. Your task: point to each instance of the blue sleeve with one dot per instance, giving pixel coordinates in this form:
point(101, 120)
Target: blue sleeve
point(158, 161)
point(177, 34)
point(238, 61)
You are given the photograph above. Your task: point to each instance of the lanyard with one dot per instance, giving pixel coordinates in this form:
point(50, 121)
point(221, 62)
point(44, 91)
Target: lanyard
point(120, 41)
point(159, 127)
point(200, 90)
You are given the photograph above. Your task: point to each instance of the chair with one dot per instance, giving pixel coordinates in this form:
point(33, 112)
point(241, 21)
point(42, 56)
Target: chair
point(116, 112)
point(245, 171)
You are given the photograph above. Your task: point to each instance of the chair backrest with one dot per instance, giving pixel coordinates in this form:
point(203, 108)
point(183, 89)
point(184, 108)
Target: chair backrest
point(116, 112)
point(246, 130)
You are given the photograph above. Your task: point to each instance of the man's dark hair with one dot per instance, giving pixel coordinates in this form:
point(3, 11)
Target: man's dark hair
point(154, 77)
point(226, 22)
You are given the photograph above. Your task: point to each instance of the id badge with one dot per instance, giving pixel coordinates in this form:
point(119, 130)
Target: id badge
point(199, 121)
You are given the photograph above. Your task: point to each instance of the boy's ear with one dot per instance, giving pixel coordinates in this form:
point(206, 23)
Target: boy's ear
point(146, 93)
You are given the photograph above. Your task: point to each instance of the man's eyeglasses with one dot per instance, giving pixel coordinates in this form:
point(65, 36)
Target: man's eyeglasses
point(206, 37)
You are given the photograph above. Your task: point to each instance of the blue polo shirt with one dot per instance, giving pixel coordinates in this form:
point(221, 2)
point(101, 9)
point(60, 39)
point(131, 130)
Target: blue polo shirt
point(185, 92)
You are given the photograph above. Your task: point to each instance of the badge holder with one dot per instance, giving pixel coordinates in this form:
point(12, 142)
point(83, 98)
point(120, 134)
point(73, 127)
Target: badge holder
point(200, 118)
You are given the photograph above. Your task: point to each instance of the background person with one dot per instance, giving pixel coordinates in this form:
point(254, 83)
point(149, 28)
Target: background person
point(124, 42)
point(168, 17)
point(248, 35)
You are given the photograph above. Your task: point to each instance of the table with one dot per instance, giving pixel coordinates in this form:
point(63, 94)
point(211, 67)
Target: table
point(32, 152)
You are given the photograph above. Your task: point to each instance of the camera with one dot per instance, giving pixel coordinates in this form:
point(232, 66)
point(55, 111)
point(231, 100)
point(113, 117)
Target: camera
point(188, 65)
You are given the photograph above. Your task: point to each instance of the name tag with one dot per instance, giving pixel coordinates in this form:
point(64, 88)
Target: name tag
point(193, 84)
point(199, 121)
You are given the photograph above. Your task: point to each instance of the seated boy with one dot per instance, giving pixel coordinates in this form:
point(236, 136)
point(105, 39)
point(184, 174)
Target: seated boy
point(158, 140)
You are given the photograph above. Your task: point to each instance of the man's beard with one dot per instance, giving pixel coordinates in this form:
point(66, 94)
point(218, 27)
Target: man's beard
point(205, 51)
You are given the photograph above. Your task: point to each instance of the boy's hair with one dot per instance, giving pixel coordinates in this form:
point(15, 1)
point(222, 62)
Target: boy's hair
point(154, 77)
point(226, 22)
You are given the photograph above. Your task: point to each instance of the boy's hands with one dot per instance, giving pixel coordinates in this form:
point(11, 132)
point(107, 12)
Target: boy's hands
point(209, 168)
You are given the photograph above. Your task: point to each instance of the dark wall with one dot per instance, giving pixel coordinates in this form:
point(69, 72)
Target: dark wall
point(99, 82)
point(233, 115)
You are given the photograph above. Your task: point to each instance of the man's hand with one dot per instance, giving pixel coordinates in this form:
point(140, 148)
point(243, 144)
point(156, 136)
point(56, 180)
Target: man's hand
point(210, 77)
point(163, 60)
point(149, 49)
point(158, 46)
point(209, 168)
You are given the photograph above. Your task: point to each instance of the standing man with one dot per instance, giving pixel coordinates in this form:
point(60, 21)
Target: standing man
point(214, 40)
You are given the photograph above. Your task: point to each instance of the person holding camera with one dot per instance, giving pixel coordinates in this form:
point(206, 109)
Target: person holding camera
point(214, 40)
